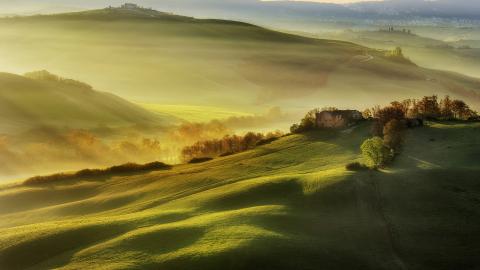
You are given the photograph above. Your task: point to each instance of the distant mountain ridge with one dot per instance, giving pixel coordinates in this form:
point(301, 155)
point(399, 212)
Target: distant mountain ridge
point(421, 8)
point(235, 9)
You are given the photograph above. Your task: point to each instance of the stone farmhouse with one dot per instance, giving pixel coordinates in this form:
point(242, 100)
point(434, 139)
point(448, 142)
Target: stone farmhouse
point(129, 6)
point(338, 118)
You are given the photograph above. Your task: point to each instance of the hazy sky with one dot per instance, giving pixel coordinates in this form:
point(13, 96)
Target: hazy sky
point(331, 1)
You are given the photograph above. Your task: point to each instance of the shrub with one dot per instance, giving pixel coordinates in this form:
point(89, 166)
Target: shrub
point(133, 167)
point(356, 166)
point(199, 160)
point(228, 144)
point(121, 169)
point(375, 152)
point(295, 129)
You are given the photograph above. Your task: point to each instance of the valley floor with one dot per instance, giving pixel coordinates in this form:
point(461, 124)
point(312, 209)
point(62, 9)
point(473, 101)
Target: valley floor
point(287, 205)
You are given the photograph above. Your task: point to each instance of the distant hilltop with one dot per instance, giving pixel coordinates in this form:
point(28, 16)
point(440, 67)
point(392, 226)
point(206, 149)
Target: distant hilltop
point(129, 6)
point(125, 11)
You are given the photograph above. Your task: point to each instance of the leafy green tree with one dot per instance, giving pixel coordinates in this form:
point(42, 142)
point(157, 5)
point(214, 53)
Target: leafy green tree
point(375, 152)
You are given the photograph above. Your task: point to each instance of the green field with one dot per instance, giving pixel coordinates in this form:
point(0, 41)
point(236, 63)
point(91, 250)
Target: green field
point(287, 205)
point(191, 113)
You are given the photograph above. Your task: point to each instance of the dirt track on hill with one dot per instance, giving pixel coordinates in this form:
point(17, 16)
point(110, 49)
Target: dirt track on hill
point(370, 205)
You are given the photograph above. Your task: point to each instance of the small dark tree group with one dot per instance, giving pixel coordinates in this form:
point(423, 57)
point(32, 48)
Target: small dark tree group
point(44, 75)
point(89, 173)
point(228, 145)
point(427, 108)
point(308, 122)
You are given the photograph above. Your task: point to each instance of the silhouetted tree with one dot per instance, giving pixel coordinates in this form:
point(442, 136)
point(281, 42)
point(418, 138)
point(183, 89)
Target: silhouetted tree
point(428, 107)
point(229, 144)
point(389, 113)
point(394, 134)
point(446, 108)
point(307, 123)
point(461, 110)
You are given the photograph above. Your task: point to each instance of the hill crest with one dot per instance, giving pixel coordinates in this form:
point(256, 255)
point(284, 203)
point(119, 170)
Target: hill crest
point(44, 99)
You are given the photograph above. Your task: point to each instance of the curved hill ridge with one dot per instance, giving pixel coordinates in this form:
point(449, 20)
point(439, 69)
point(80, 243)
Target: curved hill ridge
point(28, 103)
point(287, 205)
point(207, 62)
point(122, 13)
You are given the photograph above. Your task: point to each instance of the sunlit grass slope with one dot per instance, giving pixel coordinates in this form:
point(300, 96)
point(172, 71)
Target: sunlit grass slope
point(287, 205)
point(192, 113)
point(29, 103)
point(152, 57)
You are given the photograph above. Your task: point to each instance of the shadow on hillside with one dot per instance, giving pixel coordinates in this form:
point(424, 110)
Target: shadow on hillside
point(368, 220)
point(320, 229)
point(61, 244)
point(57, 248)
point(283, 192)
point(365, 220)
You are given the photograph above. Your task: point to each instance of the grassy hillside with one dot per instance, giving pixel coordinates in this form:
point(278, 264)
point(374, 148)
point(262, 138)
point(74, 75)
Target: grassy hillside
point(427, 52)
point(287, 205)
point(153, 57)
point(193, 113)
point(28, 103)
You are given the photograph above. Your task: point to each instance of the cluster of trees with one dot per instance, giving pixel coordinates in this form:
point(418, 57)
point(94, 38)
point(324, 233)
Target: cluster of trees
point(397, 52)
point(44, 75)
point(88, 173)
point(429, 107)
point(398, 56)
point(382, 149)
point(392, 29)
point(388, 130)
point(391, 122)
point(309, 121)
point(229, 144)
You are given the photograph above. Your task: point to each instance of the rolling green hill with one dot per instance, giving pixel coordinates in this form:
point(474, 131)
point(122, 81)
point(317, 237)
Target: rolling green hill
point(29, 103)
point(461, 56)
point(152, 57)
point(287, 205)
